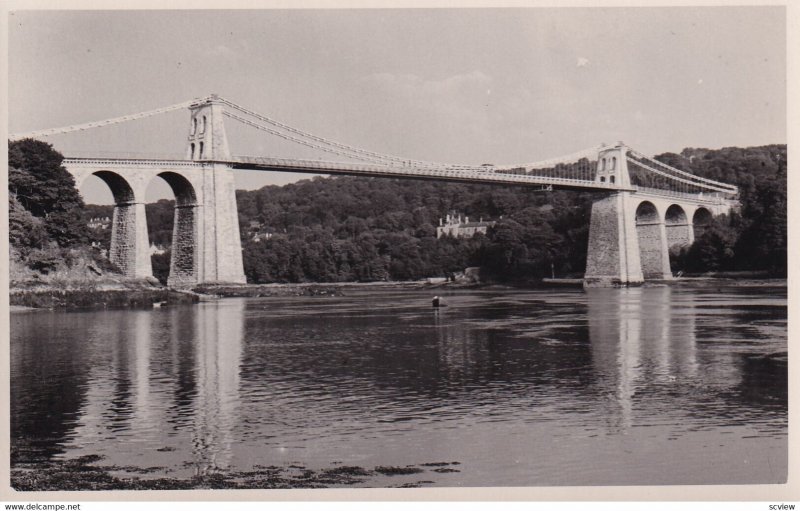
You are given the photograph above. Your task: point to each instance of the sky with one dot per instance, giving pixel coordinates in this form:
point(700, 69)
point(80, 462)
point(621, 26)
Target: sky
point(469, 86)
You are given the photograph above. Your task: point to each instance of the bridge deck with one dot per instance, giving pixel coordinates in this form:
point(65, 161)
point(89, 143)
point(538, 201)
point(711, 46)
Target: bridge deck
point(469, 175)
point(474, 175)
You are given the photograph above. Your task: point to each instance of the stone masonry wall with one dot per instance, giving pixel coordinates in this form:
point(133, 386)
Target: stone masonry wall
point(679, 235)
point(129, 245)
point(123, 239)
point(651, 247)
point(603, 257)
point(183, 264)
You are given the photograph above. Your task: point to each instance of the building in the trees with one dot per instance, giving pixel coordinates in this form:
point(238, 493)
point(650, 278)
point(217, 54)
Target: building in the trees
point(99, 223)
point(458, 227)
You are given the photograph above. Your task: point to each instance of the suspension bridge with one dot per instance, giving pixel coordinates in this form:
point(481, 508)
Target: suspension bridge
point(648, 207)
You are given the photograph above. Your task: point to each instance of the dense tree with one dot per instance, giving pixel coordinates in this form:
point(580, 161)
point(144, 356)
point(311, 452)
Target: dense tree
point(25, 231)
point(44, 188)
point(160, 217)
point(756, 237)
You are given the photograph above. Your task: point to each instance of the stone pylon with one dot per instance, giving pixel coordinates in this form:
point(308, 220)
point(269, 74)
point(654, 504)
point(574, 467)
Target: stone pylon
point(207, 139)
point(218, 248)
point(613, 255)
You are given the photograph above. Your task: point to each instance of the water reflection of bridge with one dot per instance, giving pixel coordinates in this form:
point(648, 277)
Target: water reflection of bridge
point(640, 337)
point(188, 382)
point(170, 382)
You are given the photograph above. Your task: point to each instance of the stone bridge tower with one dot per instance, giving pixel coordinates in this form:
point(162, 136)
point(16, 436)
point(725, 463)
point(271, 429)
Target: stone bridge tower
point(215, 231)
point(613, 256)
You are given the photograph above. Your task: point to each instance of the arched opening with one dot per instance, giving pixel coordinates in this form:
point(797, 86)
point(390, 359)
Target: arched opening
point(113, 228)
point(191, 151)
point(602, 179)
point(194, 126)
point(679, 232)
point(119, 186)
point(203, 125)
point(613, 162)
point(200, 157)
point(611, 179)
point(646, 213)
point(651, 242)
point(700, 221)
point(174, 231)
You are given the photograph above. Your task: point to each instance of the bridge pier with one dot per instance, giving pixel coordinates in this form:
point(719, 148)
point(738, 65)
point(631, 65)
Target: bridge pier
point(613, 255)
point(184, 263)
point(129, 243)
point(220, 247)
point(651, 233)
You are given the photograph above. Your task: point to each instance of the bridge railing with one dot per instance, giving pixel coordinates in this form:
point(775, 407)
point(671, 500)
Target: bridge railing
point(711, 198)
point(126, 155)
point(111, 162)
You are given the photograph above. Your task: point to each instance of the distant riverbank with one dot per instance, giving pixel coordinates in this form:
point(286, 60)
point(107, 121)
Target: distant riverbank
point(314, 289)
point(122, 294)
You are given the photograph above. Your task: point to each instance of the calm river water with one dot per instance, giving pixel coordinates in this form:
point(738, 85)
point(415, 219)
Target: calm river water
point(657, 385)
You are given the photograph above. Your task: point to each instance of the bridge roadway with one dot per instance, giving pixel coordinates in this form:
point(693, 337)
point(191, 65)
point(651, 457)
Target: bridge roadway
point(440, 173)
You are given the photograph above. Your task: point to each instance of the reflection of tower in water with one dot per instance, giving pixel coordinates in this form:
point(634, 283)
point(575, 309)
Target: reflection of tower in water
point(639, 337)
point(219, 331)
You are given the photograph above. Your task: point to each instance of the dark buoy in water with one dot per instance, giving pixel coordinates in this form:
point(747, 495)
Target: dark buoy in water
point(435, 302)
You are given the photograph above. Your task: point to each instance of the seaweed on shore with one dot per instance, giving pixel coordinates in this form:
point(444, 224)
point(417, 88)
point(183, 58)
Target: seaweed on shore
point(85, 474)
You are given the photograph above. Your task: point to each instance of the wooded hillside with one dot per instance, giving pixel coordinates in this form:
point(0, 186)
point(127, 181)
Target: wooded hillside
point(339, 229)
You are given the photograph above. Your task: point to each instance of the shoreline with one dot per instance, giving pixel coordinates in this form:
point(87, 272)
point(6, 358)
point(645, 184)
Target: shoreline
point(88, 473)
point(145, 295)
point(83, 297)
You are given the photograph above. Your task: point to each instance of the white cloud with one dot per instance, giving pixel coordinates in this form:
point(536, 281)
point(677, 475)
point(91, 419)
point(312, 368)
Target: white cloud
point(582, 62)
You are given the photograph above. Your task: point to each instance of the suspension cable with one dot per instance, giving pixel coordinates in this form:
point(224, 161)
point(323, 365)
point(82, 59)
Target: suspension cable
point(675, 178)
point(574, 157)
point(364, 152)
point(298, 140)
point(107, 122)
point(729, 188)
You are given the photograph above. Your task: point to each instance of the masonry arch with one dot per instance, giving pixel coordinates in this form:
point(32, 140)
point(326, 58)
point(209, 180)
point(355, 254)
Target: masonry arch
point(120, 188)
point(650, 233)
point(700, 221)
point(183, 242)
point(127, 229)
point(678, 228)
